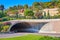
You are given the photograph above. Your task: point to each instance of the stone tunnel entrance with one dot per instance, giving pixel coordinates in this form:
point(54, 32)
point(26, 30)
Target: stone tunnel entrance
point(22, 27)
point(27, 27)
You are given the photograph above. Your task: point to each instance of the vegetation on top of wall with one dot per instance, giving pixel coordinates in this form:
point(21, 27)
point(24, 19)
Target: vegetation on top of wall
point(30, 12)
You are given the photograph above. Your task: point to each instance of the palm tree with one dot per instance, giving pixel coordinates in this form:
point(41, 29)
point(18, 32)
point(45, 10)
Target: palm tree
point(2, 8)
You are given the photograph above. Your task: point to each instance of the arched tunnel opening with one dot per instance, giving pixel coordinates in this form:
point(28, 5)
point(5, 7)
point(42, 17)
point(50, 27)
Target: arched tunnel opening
point(26, 27)
point(22, 27)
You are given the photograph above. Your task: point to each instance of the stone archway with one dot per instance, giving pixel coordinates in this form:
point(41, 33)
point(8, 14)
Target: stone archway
point(24, 27)
point(20, 27)
point(27, 27)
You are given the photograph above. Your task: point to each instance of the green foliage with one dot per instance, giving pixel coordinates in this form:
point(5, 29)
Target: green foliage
point(1, 27)
point(28, 12)
point(20, 7)
point(2, 14)
point(44, 16)
point(50, 4)
point(48, 15)
point(2, 7)
point(25, 6)
point(36, 4)
point(5, 18)
point(56, 17)
point(5, 28)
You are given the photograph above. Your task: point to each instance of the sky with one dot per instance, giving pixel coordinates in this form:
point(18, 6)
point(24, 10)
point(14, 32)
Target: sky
point(9, 3)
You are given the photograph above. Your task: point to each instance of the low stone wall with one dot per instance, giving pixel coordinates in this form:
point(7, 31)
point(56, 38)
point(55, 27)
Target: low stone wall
point(51, 27)
point(56, 26)
point(44, 25)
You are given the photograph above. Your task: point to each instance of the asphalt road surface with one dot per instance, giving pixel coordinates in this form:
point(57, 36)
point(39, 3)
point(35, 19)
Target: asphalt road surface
point(10, 35)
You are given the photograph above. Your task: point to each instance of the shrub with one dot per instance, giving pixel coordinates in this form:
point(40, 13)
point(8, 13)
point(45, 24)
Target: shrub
point(44, 16)
point(28, 13)
point(2, 15)
point(5, 28)
point(5, 19)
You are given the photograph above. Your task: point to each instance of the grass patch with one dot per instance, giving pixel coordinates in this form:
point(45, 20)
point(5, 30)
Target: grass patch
point(31, 37)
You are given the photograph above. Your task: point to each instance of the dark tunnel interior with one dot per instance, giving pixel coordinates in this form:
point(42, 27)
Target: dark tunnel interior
point(26, 27)
point(21, 27)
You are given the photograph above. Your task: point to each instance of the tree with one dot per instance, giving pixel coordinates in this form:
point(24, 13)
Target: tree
point(16, 12)
point(42, 4)
point(28, 13)
point(2, 8)
point(48, 15)
point(44, 16)
point(2, 13)
point(31, 8)
point(15, 7)
point(10, 8)
point(59, 6)
point(59, 10)
point(36, 5)
point(25, 6)
point(54, 3)
point(20, 7)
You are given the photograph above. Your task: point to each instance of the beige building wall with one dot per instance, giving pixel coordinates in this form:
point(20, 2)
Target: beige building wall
point(52, 12)
point(21, 13)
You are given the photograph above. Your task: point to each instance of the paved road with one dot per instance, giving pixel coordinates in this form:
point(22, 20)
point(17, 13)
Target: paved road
point(10, 35)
